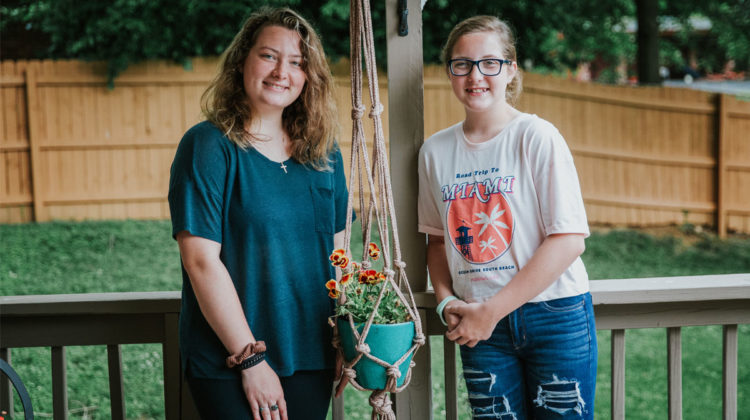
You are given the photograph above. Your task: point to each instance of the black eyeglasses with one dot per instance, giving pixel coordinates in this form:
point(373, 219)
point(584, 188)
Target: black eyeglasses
point(487, 66)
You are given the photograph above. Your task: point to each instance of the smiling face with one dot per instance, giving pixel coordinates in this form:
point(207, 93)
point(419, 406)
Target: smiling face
point(273, 73)
point(477, 92)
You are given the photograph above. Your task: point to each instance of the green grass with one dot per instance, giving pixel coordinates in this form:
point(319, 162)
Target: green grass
point(141, 256)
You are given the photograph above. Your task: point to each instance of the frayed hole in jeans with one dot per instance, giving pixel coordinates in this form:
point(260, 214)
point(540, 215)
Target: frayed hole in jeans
point(560, 396)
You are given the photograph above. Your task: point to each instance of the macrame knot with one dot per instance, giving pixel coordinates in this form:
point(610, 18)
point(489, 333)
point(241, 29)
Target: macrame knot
point(400, 264)
point(381, 405)
point(350, 373)
point(358, 112)
point(419, 339)
point(393, 371)
point(362, 348)
point(377, 109)
point(388, 272)
point(366, 265)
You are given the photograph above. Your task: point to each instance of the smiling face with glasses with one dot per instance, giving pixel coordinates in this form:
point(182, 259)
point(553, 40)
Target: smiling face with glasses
point(479, 72)
point(487, 66)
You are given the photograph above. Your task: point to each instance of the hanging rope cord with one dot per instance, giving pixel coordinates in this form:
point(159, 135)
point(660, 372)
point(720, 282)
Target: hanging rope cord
point(380, 207)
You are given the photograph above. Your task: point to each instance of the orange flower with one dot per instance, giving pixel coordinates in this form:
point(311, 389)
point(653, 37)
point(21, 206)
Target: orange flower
point(381, 277)
point(333, 288)
point(345, 278)
point(362, 277)
point(343, 262)
point(337, 253)
point(368, 277)
point(339, 259)
point(374, 251)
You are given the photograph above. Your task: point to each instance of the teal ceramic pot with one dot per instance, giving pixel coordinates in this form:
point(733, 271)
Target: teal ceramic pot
point(388, 342)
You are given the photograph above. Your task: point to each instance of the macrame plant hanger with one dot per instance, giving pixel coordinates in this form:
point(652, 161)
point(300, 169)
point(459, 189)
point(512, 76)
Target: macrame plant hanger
point(378, 209)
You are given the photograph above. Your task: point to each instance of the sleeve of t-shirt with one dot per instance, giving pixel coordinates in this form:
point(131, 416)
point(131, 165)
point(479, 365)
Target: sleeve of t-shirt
point(556, 182)
point(428, 212)
point(341, 197)
point(197, 183)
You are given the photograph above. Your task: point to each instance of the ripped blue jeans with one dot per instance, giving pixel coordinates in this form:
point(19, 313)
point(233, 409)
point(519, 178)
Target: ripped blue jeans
point(539, 363)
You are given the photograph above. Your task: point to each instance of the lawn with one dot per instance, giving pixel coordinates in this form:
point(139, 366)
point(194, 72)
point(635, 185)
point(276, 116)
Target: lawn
point(141, 256)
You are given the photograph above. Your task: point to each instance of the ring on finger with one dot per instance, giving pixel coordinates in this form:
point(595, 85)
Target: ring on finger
point(260, 409)
point(274, 407)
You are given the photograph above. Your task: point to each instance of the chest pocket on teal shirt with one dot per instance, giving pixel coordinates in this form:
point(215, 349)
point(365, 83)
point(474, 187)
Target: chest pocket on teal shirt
point(323, 205)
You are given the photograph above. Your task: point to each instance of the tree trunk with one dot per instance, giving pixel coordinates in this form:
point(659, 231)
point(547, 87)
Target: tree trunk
point(648, 42)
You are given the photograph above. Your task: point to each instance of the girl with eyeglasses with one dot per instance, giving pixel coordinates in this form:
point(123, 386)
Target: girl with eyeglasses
point(500, 202)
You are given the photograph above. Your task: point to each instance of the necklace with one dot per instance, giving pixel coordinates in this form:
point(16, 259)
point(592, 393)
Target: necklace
point(283, 167)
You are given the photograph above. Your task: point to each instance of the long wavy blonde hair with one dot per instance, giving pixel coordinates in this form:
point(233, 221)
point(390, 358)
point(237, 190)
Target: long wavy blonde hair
point(310, 121)
point(492, 24)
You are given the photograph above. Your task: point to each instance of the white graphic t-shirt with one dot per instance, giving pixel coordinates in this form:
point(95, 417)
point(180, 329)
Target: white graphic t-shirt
point(495, 202)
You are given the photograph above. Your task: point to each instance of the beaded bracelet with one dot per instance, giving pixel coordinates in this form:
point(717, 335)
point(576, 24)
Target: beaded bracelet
point(251, 361)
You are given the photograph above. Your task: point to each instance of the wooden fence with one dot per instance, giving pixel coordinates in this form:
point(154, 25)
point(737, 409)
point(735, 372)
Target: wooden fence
point(72, 149)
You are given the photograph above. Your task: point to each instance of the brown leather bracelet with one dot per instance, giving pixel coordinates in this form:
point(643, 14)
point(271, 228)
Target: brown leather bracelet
point(249, 350)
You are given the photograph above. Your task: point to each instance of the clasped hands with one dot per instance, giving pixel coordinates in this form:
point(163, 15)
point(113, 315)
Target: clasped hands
point(468, 323)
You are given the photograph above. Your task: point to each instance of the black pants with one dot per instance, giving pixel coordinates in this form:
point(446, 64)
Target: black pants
point(307, 394)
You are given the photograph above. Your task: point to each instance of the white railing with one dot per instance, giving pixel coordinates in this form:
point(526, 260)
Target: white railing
point(112, 319)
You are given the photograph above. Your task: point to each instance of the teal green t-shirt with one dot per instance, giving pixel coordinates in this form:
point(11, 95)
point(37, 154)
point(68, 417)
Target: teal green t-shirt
point(275, 225)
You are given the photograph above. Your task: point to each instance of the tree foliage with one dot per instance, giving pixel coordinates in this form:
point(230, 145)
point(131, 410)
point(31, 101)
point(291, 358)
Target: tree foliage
point(552, 35)
point(729, 37)
point(123, 32)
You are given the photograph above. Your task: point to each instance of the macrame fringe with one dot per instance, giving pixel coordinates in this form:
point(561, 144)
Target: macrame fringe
point(381, 406)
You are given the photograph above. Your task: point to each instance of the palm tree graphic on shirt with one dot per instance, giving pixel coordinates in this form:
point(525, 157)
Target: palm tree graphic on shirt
point(478, 223)
point(488, 244)
point(491, 220)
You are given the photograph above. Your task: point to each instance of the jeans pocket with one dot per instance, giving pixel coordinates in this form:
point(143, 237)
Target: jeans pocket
point(567, 304)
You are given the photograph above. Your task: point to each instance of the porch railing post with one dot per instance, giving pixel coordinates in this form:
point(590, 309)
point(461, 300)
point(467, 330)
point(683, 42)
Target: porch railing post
point(116, 395)
point(337, 408)
point(618, 374)
point(171, 363)
point(451, 380)
point(59, 384)
point(674, 372)
point(729, 368)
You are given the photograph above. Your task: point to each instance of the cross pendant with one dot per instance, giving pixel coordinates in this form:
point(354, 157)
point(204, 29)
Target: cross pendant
point(283, 167)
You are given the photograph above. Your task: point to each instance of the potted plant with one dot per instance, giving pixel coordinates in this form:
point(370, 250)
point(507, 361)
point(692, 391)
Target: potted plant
point(391, 333)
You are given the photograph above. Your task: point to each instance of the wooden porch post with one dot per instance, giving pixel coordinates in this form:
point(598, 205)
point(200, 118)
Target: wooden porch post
point(406, 135)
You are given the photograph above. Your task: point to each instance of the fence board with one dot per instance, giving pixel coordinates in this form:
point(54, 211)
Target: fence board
point(737, 162)
point(645, 156)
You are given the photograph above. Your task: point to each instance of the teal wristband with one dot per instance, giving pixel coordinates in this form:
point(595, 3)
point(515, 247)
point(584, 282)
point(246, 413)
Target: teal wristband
point(441, 307)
